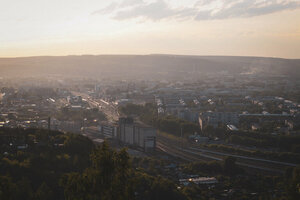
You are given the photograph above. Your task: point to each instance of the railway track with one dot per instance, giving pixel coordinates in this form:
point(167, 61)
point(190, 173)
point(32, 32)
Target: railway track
point(192, 154)
point(176, 153)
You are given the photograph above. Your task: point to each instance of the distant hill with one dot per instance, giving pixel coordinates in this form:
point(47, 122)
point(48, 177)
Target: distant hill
point(145, 65)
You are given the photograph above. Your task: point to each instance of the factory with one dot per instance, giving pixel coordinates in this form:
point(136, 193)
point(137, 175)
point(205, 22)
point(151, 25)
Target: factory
point(130, 133)
point(137, 134)
point(108, 130)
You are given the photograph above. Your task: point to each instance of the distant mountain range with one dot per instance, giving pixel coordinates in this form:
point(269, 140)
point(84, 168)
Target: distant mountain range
point(146, 65)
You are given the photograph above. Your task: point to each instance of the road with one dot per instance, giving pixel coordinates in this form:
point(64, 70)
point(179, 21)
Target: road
point(109, 109)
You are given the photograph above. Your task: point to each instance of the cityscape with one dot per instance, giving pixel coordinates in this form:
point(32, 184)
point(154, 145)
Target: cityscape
point(180, 127)
point(150, 100)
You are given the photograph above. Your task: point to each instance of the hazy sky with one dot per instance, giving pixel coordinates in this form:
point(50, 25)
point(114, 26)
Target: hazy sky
point(199, 27)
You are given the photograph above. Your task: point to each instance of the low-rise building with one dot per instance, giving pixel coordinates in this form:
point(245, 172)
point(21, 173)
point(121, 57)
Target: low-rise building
point(214, 119)
point(232, 127)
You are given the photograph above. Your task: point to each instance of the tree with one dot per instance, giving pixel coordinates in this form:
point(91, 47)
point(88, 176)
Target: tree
point(75, 186)
point(155, 188)
point(106, 179)
point(122, 173)
point(294, 184)
point(78, 144)
point(7, 188)
point(44, 192)
point(24, 190)
point(103, 162)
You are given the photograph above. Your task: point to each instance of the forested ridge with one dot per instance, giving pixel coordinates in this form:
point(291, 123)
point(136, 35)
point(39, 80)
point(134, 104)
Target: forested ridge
point(41, 164)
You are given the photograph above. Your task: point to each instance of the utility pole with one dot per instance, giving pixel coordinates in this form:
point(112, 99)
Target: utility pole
point(49, 127)
point(181, 138)
point(84, 124)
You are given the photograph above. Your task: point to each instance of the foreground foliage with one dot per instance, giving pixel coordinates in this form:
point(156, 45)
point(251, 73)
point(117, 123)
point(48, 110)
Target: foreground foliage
point(68, 166)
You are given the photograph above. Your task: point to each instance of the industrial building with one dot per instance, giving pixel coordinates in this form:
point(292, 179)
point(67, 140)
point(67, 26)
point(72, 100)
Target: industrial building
point(108, 130)
point(137, 134)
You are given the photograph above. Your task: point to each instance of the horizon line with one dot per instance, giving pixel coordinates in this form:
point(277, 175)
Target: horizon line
point(151, 54)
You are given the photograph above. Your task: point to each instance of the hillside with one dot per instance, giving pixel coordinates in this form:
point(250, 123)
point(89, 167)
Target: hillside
point(157, 66)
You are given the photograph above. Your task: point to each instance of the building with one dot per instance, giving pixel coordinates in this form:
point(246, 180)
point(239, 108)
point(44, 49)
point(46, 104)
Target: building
point(188, 115)
point(137, 135)
point(254, 118)
point(232, 127)
point(108, 130)
point(255, 127)
point(70, 126)
point(123, 102)
point(74, 100)
point(214, 119)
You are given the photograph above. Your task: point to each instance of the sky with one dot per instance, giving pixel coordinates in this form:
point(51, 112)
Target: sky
point(268, 28)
